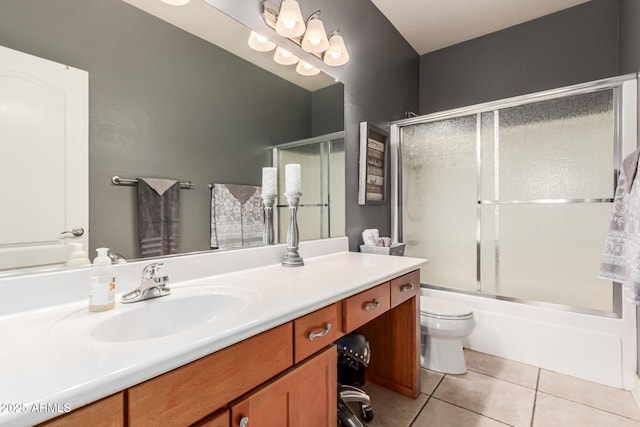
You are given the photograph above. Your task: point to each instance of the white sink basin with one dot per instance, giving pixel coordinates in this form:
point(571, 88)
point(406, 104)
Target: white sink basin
point(168, 315)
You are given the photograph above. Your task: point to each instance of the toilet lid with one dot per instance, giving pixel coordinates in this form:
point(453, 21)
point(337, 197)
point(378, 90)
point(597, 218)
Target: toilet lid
point(431, 306)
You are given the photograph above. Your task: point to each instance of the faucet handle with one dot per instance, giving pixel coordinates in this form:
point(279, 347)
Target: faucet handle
point(149, 271)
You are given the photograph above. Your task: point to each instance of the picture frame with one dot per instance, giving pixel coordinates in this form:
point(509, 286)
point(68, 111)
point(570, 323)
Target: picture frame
point(374, 155)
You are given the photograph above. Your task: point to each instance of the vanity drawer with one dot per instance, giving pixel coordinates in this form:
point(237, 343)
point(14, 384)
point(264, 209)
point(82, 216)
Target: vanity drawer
point(317, 330)
point(365, 306)
point(188, 394)
point(405, 287)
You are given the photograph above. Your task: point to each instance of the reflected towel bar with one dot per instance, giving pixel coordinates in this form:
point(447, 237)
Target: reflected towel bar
point(128, 181)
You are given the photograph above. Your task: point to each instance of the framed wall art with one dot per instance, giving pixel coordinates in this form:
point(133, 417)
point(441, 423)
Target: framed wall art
point(374, 147)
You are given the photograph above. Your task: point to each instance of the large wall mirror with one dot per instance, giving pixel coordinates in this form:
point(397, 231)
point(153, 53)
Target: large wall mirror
point(166, 101)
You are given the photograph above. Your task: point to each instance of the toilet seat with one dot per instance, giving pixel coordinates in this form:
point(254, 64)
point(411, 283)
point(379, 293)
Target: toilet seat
point(443, 309)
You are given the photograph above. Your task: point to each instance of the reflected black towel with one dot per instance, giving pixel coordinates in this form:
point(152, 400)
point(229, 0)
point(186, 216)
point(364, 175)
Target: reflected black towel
point(158, 216)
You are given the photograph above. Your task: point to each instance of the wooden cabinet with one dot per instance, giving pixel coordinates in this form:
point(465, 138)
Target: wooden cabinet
point(108, 412)
point(404, 288)
point(365, 306)
point(316, 330)
point(188, 394)
point(219, 419)
point(394, 337)
point(280, 377)
point(304, 397)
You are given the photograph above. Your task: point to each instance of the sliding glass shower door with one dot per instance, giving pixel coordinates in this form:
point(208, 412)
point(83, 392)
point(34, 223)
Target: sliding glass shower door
point(515, 200)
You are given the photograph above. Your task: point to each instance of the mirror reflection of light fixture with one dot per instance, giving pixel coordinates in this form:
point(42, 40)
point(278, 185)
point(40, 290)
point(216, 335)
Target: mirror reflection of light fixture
point(284, 57)
point(260, 43)
point(176, 2)
point(305, 69)
point(315, 38)
point(290, 22)
point(336, 54)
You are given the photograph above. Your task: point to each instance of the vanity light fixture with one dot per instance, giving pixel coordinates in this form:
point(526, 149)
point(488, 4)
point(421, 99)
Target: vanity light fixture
point(305, 69)
point(315, 38)
point(289, 22)
point(332, 50)
point(284, 57)
point(260, 43)
point(336, 54)
point(175, 2)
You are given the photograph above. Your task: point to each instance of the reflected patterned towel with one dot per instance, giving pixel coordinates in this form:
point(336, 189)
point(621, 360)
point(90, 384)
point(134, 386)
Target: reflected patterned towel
point(621, 257)
point(236, 216)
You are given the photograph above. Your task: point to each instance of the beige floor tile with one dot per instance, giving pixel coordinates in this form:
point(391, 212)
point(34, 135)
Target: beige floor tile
point(553, 411)
point(599, 396)
point(501, 400)
point(429, 380)
point(391, 409)
point(508, 370)
point(441, 414)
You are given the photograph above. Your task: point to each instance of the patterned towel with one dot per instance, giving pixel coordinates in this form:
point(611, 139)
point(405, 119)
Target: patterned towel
point(236, 216)
point(621, 257)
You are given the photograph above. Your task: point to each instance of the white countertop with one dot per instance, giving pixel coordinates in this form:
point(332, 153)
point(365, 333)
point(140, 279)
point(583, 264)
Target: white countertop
point(48, 355)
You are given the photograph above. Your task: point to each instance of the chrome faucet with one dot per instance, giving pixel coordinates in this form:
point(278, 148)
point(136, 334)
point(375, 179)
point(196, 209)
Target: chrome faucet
point(152, 286)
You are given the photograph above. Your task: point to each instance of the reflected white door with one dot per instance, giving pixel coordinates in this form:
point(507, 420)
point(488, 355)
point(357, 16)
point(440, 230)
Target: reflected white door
point(43, 159)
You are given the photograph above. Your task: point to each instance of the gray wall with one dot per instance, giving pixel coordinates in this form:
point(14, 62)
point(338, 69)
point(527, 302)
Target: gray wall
point(380, 84)
point(162, 103)
point(571, 46)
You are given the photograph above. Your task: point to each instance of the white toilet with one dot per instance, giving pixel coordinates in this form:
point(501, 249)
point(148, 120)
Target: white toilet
point(443, 325)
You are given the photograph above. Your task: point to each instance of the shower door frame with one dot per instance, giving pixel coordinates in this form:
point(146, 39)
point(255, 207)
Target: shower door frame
point(323, 154)
point(625, 141)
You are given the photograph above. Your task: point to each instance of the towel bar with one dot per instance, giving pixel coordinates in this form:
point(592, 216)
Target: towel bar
point(128, 181)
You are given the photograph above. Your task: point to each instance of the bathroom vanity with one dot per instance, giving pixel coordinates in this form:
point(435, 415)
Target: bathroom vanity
point(271, 362)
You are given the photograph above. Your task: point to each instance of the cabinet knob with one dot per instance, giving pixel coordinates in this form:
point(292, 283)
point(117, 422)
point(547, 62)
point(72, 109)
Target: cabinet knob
point(244, 422)
point(371, 305)
point(324, 332)
point(407, 287)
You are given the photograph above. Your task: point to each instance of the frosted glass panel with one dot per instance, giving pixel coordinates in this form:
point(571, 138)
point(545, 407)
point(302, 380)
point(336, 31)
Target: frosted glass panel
point(488, 154)
point(336, 188)
point(311, 168)
point(557, 149)
point(439, 199)
point(321, 212)
point(552, 253)
point(312, 223)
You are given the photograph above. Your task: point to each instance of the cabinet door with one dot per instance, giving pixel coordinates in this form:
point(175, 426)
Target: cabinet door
point(108, 412)
point(304, 397)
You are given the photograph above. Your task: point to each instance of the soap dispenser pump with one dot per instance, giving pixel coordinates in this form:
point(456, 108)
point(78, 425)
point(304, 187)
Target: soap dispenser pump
point(102, 282)
point(78, 257)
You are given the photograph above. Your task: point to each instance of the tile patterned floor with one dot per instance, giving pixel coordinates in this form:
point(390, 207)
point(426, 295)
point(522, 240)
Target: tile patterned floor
point(497, 392)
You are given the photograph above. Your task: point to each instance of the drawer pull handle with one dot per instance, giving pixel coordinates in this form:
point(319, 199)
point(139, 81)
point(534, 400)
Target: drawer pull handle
point(244, 422)
point(371, 305)
point(324, 333)
point(406, 288)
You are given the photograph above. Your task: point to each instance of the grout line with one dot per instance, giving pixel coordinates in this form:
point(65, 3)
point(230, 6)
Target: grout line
point(474, 412)
point(420, 411)
point(589, 406)
point(535, 399)
point(429, 396)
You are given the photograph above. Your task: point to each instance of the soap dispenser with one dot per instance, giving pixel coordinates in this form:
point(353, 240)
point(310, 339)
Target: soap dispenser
point(78, 257)
point(102, 282)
